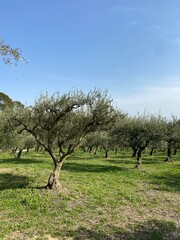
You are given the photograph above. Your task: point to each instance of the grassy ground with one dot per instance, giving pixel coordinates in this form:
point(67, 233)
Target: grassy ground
point(104, 199)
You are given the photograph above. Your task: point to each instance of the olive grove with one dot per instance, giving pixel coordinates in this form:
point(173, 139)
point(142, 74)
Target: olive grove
point(62, 123)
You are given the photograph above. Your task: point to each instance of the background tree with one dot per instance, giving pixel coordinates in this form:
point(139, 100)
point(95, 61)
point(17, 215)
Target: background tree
point(172, 135)
point(63, 121)
point(91, 142)
point(5, 101)
point(138, 132)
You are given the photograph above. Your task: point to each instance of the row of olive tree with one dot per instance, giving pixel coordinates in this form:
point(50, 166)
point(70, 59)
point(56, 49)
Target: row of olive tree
point(138, 132)
point(144, 131)
point(77, 119)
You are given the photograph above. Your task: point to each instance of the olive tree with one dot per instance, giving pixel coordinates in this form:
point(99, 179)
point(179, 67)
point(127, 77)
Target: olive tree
point(171, 135)
point(95, 140)
point(138, 132)
point(103, 139)
point(91, 142)
point(62, 121)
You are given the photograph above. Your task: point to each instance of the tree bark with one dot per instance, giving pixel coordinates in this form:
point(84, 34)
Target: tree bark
point(151, 152)
point(175, 150)
point(14, 150)
point(168, 159)
point(134, 151)
point(96, 149)
point(106, 153)
point(90, 149)
point(116, 151)
point(37, 148)
point(19, 154)
point(139, 160)
point(53, 181)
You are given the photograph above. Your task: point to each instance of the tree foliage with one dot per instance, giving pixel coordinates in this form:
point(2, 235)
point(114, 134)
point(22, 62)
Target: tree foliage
point(171, 135)
point(138, 132)
point(62, 121)
point(9, 54)
point(5, 101)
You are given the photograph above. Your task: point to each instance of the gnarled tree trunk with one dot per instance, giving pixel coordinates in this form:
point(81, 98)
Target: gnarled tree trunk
point(53, 181)
point(168, 159)
point(139, 154)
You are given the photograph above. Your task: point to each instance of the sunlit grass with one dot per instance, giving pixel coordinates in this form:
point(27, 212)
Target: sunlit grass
point(103, 198)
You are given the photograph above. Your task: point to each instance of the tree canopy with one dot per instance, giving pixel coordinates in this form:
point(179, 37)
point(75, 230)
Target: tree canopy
point(62, 121)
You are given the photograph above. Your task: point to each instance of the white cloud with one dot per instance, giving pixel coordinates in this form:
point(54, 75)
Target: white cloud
point(163, 98)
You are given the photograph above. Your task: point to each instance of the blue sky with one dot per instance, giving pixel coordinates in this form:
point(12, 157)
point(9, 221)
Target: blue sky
point(131, 48)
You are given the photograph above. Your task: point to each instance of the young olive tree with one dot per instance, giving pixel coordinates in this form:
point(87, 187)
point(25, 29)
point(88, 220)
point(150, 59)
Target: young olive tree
point(62, 121)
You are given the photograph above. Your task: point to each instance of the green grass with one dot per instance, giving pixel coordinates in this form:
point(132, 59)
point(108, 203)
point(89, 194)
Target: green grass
point(104, 198)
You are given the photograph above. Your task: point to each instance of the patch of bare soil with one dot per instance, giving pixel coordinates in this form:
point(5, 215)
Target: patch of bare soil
point(20, 236)
point(3, 170)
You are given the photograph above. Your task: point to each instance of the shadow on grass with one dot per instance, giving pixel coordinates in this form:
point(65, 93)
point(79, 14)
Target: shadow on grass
point(76, 167)
point(85, 157)
point(11, 181)
point(145, 160)
point(21, 161)
point(150, 230)
point(122, 161)
point(167, 182)
point(153, 159)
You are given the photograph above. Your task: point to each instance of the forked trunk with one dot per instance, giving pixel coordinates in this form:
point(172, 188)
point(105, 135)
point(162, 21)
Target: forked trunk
point(53, 181)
